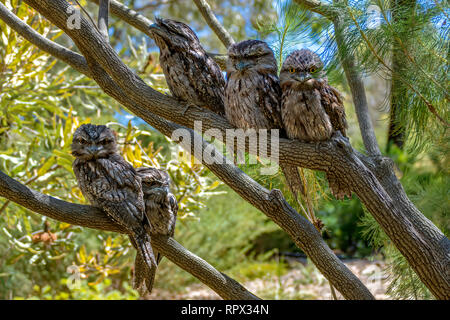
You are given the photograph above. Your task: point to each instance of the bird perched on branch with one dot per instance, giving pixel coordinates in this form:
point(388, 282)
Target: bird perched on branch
point(311, 109)
point(112, 184)
point(192, 75)
point(253, 94)
point(161, 208)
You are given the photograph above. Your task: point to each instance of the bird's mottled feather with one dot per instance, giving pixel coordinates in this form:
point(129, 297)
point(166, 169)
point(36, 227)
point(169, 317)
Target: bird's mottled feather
point(191, 75)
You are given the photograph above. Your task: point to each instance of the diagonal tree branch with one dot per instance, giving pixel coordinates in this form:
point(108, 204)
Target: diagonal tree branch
point(358, 91)
point(91, 217)
point(213, 23)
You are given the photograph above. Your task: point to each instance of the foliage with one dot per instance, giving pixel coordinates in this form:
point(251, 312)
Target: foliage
point(84, 291)
point(424, 112)
point(296, 286)
point(287, 29)
point(342, 232)
point(42, 103)
point(426, 187)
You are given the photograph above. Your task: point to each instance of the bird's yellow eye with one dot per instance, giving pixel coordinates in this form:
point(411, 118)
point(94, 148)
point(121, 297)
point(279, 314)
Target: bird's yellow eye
point(292, 70)
point(312, 69)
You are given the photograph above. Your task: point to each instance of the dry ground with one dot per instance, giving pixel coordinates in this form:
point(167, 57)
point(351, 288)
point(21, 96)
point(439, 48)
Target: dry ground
point(300, 282)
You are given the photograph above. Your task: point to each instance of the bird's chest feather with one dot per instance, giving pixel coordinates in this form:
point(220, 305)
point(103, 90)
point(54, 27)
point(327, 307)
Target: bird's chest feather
point(103, 178)
point(244, 96)
point(180, 71)
point(303, 116)
point(173, 65)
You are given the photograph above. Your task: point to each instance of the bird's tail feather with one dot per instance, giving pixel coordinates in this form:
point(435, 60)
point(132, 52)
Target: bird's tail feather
point(145, 264)
point(144, 277)
point(146, 249)
point(297, 184)
point(338, 189)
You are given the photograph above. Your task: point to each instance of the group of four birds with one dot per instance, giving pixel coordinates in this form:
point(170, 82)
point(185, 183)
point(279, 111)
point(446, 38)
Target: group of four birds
point(300, 103)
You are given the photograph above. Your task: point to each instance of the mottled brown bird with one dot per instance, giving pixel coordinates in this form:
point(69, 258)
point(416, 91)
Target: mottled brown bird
point(192, 75)
point(161, 208)
point(311, 109)
point(112, 184)
point(253, 94)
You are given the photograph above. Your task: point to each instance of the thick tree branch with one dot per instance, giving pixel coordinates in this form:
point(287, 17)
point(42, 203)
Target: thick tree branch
point(91, 217)
point(213, 23)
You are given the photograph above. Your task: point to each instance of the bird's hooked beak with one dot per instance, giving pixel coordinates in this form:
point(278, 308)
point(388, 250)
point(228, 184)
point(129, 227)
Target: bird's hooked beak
point(303, 77)
point(156, 29)
point(243, 65)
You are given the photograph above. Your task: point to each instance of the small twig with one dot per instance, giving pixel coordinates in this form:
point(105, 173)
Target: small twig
point(87, 14)
point(214, 24)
